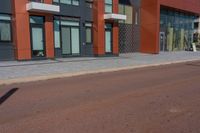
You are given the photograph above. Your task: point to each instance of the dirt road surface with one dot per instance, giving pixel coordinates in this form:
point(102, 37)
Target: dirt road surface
point(164, 99)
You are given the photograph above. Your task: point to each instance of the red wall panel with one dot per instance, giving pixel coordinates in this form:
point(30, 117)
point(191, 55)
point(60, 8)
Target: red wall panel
point(149, 26)
point(187, 5)
point(21, 30)
point(99, 28)
point(21, 33)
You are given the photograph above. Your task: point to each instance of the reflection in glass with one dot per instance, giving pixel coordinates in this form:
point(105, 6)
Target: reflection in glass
point(178, 29)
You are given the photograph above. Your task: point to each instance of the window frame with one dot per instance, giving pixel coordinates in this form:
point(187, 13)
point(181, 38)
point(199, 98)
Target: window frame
point(10, 24)
point(108, 4)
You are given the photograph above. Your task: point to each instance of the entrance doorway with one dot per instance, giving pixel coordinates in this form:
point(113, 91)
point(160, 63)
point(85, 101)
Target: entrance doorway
point(70, 40)
point(163, 42)
point(37, 36)
point(108, 39)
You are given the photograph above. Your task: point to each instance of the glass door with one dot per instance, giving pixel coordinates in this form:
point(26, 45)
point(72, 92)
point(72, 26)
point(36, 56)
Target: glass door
point(66, 41)
point(75, 40)
point(70, 40)
point(108, 38)
point(162, 41)
point(37, 41)
point(108, 41)
point(37, 37)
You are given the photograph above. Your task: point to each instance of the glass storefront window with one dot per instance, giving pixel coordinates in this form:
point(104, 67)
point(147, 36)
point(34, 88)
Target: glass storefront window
point(5, 28)
point(75, 2)
point(178, 28)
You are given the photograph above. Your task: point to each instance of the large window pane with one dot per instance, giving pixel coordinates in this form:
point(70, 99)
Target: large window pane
point(88, 32)
point(66, 1)
point(108, 1)
point(75, 40)
point(37, 37)
point(36, 20)
point(88, 35)
point(57, 33)
point(5, 28)
point(108, 41)
point(67, 35)
point(108, 6)
point(66, 41)
point(178, 29)
point(75, 2)
point(57, 1)
point(5, 34)
point(5, 17)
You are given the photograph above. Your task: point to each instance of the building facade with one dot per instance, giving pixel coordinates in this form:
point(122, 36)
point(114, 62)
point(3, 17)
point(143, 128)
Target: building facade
point(168, 25)
point(42, 29)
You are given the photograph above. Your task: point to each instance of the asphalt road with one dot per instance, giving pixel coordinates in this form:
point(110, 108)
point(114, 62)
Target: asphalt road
point(164, 99)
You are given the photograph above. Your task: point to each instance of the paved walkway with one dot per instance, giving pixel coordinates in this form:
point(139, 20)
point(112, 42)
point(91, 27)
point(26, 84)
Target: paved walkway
point(13, 70)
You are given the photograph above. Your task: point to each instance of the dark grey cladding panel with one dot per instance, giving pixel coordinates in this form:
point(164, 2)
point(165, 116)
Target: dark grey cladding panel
point(67, 10)
point(80, 11)
point(88, 14)
point(85, 15)
point(5, 6)
point(6, 51)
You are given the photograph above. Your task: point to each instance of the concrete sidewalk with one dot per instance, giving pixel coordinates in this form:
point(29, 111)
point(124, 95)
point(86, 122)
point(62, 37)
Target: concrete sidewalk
point(17, 72)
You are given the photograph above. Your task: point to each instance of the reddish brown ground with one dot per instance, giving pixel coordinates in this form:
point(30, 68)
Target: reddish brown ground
point(163, 99)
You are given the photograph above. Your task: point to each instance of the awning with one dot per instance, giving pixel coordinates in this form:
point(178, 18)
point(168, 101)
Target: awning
point(113, 16)
point(42, 7)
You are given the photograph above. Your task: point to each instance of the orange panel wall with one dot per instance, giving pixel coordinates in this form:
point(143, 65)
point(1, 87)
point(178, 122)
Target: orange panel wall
point(21, 32)
point(187, 5)
point(115, 30)
point(149, 26)
point(49, 36)
point(99, 28)
point(49, 33)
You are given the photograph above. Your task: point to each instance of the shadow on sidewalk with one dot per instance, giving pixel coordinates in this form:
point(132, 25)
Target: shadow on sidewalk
point(7, 95)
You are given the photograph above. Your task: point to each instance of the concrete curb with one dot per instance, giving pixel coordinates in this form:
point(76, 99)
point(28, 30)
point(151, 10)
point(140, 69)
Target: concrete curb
point(65, 75)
